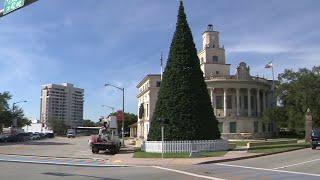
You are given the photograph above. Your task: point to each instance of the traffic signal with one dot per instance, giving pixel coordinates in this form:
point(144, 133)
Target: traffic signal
point(13, 5)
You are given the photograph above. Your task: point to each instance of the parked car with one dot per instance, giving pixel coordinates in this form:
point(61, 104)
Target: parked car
point(23, 137)
point(14, 138)
point(315, 138)
point(42, 135)
point(35, 136)
point(49, 135)
point(3, 138)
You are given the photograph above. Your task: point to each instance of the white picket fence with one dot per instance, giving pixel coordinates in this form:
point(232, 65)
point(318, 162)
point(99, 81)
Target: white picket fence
point(184, 146)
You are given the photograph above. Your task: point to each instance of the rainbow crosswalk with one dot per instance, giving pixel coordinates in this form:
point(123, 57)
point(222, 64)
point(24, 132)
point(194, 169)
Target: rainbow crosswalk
point(57, 160)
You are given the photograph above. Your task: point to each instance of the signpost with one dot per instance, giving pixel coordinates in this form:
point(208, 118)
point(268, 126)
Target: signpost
point(163, 122)
point(11, 5)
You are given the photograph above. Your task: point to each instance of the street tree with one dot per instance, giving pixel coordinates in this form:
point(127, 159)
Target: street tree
point(88, 123)
point(276, 113)
point(58, 126)
point(129, 118)
point(18, 114)
point(298, 91)
point(7, 115)
point(183, 96)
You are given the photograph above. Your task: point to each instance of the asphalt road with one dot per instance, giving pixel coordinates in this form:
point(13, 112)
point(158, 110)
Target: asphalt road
point(300, 164)
point(24, 171)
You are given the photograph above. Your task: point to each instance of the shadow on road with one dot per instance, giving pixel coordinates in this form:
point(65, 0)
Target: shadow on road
point(125, 150)
point(45, 143)
point(79, 175)
point(38, 143)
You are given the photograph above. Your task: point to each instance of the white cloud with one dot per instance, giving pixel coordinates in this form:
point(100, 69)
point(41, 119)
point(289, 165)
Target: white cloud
point(258, 48)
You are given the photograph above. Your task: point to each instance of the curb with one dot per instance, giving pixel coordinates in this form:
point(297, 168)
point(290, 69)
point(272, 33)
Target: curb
point(247, 157)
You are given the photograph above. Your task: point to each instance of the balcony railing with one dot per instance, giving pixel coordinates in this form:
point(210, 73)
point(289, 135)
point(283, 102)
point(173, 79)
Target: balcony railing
point(234, 77)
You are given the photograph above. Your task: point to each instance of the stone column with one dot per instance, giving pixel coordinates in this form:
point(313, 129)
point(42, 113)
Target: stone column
point(258, 102)
point(225, 102)
point(238, 101)
point(249, 102)
point(264, 100)
point(212, 97)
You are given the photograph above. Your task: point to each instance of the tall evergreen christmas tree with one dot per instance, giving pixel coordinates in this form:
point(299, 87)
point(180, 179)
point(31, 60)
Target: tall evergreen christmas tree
point(183, 96)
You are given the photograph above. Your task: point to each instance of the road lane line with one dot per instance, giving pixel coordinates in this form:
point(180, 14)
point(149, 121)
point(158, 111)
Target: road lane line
point(263, 169)
point(305, 162)
point(187, 173)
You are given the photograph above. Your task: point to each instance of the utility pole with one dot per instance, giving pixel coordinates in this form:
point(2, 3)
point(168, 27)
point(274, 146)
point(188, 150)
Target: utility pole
point(122, 127)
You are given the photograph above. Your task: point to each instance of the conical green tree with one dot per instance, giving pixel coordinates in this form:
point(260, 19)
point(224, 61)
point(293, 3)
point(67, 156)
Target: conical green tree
point(183, 96)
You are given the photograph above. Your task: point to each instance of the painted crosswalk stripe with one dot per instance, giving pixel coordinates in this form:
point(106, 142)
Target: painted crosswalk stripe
point(187, 173)
point(305, 162)
point(263, 169)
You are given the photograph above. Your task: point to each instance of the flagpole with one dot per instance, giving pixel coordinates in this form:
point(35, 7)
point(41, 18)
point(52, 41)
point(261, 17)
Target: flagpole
point(273, 94)
point(270, 65)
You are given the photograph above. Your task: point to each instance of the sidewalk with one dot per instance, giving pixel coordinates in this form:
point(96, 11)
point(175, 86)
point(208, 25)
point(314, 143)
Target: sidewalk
point(127, 158)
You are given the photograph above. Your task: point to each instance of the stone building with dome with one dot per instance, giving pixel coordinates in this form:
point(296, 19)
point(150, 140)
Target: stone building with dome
point(238, 100)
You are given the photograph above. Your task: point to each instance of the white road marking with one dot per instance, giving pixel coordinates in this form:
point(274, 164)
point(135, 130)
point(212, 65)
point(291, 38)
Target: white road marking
point(187, 173)
point(274, 170)
point(296, 164)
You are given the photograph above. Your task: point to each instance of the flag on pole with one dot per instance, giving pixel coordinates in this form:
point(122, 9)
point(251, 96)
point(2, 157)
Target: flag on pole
point(161, 63)
point(269, 65)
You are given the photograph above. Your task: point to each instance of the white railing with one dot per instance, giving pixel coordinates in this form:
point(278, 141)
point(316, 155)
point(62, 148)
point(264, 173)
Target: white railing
point(184, 146)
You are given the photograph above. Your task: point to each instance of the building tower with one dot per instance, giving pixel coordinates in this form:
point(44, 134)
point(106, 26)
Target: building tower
point(62, 102)
point(212, 56)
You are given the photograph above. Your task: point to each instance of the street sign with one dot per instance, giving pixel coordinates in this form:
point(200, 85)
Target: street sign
point(119, 115)
point(11, 5)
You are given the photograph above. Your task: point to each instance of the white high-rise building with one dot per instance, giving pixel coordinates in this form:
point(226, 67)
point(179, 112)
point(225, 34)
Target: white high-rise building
point(63, 102)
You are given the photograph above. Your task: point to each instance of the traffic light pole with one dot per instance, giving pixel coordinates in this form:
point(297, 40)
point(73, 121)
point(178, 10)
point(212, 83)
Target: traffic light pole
point(26, 3)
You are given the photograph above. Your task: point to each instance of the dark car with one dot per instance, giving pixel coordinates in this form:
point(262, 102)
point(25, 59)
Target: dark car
point(315, 138)
point(24, 136)
point(49, 135)
point(4, 138)
point(15, 138)
point(42, 135)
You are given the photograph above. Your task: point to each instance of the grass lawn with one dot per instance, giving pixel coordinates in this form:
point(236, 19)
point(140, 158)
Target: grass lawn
point(278, 148)
point(244, 142)
point(140, 154)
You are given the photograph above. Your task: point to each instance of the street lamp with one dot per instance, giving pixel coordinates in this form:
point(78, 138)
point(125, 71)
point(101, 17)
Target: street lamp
point(112, 108)
point(122, 127)
point(14, 122)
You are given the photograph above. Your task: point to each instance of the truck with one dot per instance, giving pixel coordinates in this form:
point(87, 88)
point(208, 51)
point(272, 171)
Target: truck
point(71, 133)
point(107, 138)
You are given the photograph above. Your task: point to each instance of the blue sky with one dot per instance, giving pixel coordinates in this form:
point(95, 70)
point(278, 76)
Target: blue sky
point(91, 42)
